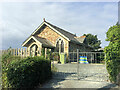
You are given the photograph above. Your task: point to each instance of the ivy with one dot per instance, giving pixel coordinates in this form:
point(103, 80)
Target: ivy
point(113, 52)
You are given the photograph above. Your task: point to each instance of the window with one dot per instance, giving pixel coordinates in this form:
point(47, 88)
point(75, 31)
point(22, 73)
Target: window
point(60, 46)
point(57, 46)
point(33, 50)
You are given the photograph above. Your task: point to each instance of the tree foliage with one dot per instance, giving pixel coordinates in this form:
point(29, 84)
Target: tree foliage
point(113, 34)
point(113, 52)
point(92, 40)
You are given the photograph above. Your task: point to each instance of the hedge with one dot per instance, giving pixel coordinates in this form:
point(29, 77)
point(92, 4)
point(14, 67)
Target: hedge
point(27, 73)
point(113, 53)
point(113, 60)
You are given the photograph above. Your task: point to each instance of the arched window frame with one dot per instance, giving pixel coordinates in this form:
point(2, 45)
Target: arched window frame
point(57, 46)
point(62, 47)
point(36, 48)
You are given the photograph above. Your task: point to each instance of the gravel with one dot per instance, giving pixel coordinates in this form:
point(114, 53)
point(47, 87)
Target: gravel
point(80, 76)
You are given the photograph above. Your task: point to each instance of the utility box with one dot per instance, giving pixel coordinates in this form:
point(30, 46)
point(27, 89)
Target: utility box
point(62, 58)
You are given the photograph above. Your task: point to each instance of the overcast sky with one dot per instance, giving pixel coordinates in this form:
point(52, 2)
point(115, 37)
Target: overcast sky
point(19, 19)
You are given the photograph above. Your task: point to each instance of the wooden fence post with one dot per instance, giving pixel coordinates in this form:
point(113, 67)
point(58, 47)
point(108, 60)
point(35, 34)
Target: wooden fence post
point(13, 52)
point(45, 53)
point(29, 52)
point(21, 53)
point(24, 53)
point(10, 51)
point(16, 52)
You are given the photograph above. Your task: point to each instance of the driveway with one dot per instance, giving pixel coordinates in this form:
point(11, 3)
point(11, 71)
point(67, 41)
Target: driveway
point(80, 76)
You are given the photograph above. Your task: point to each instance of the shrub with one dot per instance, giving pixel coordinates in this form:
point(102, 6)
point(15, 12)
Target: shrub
point(55, 57)
point(7, 58)
point(43, 52)
point(28, 72)
point(113, 52)
point(49, 56)
point(113, 60)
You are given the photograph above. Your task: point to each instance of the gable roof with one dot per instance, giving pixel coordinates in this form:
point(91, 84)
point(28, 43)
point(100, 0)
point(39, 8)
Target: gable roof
point(70, 36)
point(43, 41)
point(67, 35)
point(81, 39)
point(52, 27)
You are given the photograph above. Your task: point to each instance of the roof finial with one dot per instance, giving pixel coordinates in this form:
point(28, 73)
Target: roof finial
point(44, 19)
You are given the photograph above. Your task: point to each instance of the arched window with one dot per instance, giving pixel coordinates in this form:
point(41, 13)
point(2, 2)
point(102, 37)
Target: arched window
point(57, 46)
point(33, 50)
point(62, 46)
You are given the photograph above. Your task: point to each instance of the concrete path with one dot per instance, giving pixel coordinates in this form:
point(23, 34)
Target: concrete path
point(80, 76)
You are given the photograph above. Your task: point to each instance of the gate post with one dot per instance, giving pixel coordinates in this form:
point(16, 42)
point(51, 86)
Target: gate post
point(77, 55)
point(78, 63)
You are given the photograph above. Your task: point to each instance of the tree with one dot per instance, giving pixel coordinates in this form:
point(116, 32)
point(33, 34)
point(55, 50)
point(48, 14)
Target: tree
point(113, 34)
point(117, 23)
point(113, 52)
point(92, 40)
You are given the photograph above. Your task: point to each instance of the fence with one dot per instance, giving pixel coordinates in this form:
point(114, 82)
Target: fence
point(24, 52)
point(92, 57)
point(17, 52)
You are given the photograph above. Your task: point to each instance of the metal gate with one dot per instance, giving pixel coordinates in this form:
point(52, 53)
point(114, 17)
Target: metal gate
point(92, 57)
point(72, 69)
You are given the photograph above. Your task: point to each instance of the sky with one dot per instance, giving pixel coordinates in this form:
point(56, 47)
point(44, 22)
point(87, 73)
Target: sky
point(19, 19)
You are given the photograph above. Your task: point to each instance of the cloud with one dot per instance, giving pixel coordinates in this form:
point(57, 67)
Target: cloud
point(19, 20)
point(59, 1)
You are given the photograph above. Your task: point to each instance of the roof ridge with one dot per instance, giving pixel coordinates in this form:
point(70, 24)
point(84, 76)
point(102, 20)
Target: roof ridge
point(60, 28)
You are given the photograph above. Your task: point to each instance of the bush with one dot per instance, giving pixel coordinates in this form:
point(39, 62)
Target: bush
point(49, 56)
point(7, 58)
point(28, 72)
point(113, 60)
point(55, 57)
point(113, 52)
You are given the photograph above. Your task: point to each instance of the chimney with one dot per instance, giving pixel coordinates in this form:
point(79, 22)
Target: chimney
point(44, 19)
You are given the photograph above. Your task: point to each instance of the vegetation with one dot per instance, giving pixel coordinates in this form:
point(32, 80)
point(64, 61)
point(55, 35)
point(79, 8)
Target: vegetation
point(55, 56)
point(113, 52)
point(49, 56)
point(43, 52)
point(24, 73)
point(92, 40)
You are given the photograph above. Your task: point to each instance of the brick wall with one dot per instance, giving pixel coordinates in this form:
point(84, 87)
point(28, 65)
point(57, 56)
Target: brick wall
point(52, 36)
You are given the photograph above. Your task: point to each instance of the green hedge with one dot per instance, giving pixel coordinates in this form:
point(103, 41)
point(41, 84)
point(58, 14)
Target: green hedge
point(27, 73)
point(113, 60)
point(113, 52)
